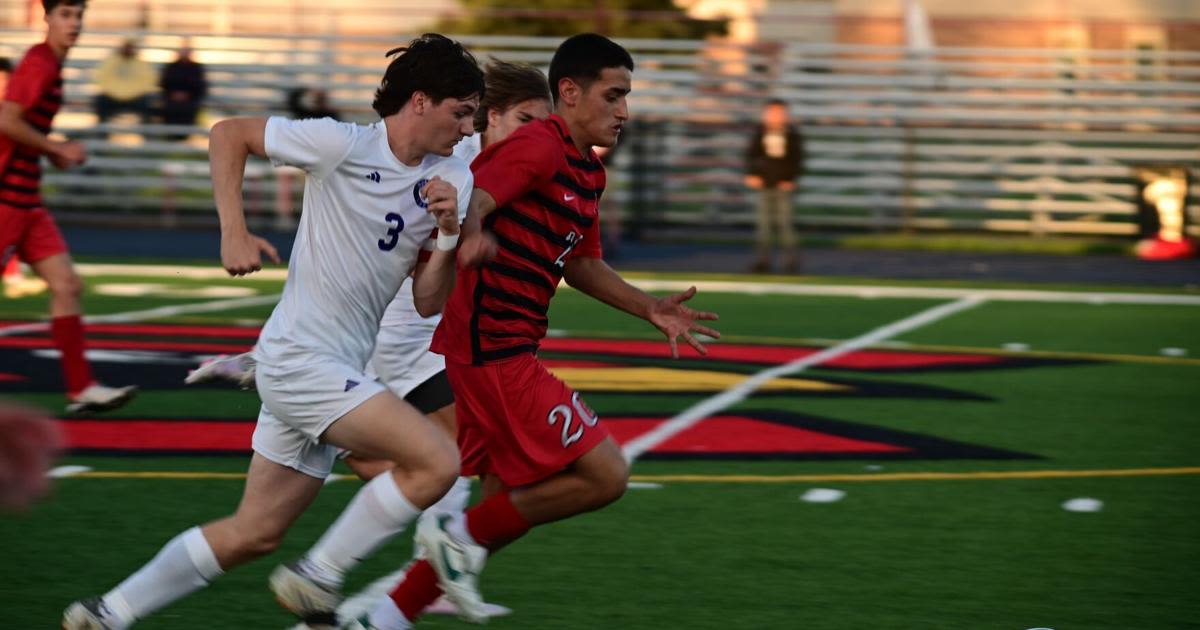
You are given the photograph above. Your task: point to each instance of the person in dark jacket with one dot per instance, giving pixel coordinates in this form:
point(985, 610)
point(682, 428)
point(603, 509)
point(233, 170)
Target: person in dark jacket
point(774, 161)
point(184, 87)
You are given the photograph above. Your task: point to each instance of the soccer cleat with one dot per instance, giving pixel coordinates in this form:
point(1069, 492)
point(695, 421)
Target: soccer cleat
point(443, 606)
point(20, 287)
point(97, 397)
point(457, 565)
point(87, 614)
point(235, 368)
point(313, 602)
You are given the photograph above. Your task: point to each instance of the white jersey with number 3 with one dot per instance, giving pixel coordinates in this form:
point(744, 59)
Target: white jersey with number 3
point(363, 225)
point(401, 319)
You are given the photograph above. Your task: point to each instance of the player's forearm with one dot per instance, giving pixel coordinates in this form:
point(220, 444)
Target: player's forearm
point(482, 204)
point(433, 283)
point(227, 153)
point(15, 127)
point(594, 277)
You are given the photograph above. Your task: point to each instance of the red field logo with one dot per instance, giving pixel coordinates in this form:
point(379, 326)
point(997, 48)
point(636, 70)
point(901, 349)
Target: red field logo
point(614, 375)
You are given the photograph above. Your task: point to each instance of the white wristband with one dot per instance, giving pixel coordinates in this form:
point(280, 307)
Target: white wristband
point(446, 242)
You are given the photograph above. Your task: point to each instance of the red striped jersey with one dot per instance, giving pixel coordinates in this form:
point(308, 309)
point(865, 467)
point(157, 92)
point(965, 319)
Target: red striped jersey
point(547, 212)
point(36, 85)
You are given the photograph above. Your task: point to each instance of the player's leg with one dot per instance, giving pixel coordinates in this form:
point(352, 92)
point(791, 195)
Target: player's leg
point(274, 497)
point(46, 251)
point(553, 458)
point(596, 479)
point(425, 466)
point(234, 368)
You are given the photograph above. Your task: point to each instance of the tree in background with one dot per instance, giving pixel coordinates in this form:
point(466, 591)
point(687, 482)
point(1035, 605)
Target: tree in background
point(656, 19)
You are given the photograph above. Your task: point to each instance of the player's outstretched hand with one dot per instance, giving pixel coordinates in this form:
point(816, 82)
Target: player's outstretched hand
point(442, 197)
point(675, 319)
point(477, 249)
point(28, 442)
point(241, 252)
point(67, 154)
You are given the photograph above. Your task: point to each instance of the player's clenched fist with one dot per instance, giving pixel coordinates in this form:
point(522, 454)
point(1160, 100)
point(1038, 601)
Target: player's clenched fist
point(442, 197)
point(241, 252)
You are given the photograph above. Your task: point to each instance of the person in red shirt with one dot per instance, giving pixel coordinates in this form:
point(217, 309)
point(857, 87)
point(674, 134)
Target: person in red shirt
point(533, 220)
point(32, 98)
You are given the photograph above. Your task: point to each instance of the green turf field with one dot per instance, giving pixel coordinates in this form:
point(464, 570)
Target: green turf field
point(1088, 405)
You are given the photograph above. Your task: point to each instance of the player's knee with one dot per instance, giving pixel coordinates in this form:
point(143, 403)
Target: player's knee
point(611, 482)
point(68, 286)
point(444, 465)
point(260, 543)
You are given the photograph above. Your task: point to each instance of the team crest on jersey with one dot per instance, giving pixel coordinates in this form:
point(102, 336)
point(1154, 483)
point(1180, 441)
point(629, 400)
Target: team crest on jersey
point(421, 201)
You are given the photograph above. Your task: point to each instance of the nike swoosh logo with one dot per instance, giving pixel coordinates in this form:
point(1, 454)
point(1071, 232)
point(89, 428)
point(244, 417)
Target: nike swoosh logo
point(568, 197)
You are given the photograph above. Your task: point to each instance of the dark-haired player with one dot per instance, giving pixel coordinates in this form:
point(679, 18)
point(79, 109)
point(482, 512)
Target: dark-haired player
point(540, 449)
point(372, 198)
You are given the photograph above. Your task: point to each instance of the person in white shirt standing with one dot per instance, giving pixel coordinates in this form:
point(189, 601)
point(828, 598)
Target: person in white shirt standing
point(373, 197)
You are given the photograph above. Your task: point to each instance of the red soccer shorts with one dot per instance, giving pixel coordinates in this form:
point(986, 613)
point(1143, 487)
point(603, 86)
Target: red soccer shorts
point(31, 234)
point(517, 421)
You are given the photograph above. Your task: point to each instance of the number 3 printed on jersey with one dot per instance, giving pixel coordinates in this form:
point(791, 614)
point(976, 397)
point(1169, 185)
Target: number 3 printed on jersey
point(393, 234)
point(566, 415)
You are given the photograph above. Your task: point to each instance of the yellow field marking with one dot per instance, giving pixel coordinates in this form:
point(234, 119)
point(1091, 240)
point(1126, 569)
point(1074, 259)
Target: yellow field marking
point(654, 379)
point(855, 477)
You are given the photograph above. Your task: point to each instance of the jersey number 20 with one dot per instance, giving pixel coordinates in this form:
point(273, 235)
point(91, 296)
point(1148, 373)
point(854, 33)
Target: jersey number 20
point(393, 233)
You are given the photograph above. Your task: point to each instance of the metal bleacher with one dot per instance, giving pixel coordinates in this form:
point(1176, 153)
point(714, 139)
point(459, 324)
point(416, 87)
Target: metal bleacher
point(1036, 141)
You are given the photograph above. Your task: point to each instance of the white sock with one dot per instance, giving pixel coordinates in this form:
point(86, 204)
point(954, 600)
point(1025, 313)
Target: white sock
point(378, 512)
point(185, 565)
point(387, 616)
point(453, 503)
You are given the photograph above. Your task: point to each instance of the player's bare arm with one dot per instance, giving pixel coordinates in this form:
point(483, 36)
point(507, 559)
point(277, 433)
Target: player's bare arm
point(669, 314)
point(61, 154)
point(478, 246)
point(230, 143)
point(434, 279)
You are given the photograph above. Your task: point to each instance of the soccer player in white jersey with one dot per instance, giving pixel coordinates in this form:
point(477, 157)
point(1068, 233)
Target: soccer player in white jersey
point(373, 196)
point(515, 94)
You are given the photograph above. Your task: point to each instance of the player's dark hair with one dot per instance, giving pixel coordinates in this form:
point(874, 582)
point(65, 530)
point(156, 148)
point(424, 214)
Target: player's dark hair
point(583, 57)
point(433, 64)
point(50, 5)
point(509, 84)
point(775, 102)
point(5, 65)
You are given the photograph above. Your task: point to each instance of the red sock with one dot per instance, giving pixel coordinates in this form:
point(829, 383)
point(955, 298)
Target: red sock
point(418, 590)
point(13, 268)
point(496, 522)
point(68, 336)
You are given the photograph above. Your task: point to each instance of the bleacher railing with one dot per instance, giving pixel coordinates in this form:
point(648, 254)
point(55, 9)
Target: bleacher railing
point(1024, 140)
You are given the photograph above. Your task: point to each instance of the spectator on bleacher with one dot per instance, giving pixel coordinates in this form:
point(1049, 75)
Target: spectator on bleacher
point(774, 161)
point(184, 87)
point(310, 103)
point(126, 83)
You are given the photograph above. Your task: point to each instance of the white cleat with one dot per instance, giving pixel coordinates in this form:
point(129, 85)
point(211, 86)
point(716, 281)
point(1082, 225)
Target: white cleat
point(458, 566)
point(313, 602)
point(87, 614)
point(97, 397)
point(234, 368)
point(443, 606)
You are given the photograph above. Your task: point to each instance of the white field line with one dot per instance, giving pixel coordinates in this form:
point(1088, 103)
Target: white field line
point(732, 286)
point(991, 295)
point(740, 391)
point(153, 313)
point(190, 272)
